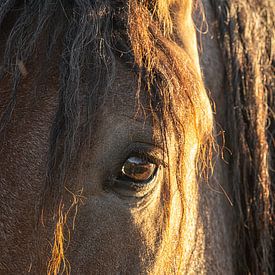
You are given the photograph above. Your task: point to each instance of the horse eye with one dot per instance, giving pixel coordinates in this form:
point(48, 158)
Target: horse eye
point(138, 170)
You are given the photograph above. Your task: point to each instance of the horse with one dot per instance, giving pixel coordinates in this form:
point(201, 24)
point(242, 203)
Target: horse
point(136, 136)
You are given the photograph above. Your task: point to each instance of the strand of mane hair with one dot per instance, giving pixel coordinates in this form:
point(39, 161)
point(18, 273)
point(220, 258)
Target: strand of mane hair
point(247, 39)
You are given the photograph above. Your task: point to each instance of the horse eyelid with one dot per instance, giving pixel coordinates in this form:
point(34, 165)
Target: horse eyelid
point(148, 156)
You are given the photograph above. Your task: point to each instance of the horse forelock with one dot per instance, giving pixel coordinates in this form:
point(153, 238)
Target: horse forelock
point(93, 35)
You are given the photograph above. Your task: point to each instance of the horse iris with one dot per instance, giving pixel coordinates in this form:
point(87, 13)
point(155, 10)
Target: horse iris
point(138, 170)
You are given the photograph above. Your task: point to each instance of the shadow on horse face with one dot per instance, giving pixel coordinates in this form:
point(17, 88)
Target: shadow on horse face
point(129, 191)
point(105, 127)
point(120, 222)
point(118, 225)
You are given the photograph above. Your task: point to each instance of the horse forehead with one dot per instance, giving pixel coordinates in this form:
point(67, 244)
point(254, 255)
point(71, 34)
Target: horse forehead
point(123, 99)
point(123, 90)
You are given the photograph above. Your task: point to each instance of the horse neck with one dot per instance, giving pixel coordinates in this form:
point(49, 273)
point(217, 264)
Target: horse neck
point(215, 230)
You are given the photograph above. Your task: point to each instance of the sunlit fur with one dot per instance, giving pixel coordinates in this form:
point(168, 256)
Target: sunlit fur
point(140, 33)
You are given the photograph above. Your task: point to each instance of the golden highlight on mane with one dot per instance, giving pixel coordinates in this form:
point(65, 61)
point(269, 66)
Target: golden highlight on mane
point(58, 263)
point(165, 67)
point(91, 36)
point(156, 50)
point(153, 43)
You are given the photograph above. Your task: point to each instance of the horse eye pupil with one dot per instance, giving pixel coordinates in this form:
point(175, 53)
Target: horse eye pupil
point(138, 169)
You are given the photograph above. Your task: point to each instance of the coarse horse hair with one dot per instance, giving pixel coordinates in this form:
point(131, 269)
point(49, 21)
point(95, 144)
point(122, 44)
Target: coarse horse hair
point(247, 38)
point(91, 37)
point(86, 39)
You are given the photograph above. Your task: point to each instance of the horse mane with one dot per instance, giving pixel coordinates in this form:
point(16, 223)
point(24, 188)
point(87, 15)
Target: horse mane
point(94, 34)
point(247, 41)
